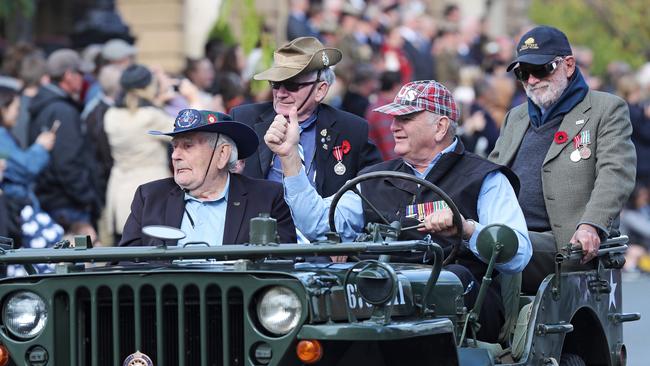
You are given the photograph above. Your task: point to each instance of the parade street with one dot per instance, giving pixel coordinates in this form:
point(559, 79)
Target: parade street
point(635, 334)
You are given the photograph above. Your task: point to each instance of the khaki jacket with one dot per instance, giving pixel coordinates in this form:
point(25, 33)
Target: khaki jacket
point(591, 190)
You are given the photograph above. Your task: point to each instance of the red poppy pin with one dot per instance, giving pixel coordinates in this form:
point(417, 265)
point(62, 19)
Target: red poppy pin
point(212, 118)
point(345, 146)
point(560, 137)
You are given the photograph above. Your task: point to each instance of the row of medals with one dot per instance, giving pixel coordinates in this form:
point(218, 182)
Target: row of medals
point(581, 153)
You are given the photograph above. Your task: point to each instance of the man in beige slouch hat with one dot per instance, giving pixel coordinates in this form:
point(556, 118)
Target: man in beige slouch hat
point(334, 144)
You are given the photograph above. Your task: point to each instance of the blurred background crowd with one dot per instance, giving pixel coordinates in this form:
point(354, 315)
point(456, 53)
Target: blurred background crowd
point(112, 100)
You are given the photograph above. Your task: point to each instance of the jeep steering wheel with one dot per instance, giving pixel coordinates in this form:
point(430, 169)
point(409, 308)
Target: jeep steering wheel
point(351, 185)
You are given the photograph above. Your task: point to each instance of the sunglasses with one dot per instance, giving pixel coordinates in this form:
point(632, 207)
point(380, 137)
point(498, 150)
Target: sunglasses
point(522, 73)
point(291, 86)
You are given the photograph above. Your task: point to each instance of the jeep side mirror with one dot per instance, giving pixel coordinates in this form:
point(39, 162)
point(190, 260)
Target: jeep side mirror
point(163, 232)
point(501, 235)
point(496, 243)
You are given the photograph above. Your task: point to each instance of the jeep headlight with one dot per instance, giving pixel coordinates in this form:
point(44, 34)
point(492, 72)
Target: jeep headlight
point(278, 310)
point(24, 314)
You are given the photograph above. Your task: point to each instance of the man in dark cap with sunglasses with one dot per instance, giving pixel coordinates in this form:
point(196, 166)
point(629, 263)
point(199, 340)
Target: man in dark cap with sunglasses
point(207, 202)
point(334, 144)
point(570, 147)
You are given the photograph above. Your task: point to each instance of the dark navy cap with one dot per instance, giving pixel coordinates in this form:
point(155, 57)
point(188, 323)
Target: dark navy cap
point(540, 46)
point(135, 77)
point(192, 120)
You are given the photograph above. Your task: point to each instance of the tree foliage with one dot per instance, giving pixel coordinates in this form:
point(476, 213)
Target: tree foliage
point(614, 30)
point(9, 8)
point(252, 34)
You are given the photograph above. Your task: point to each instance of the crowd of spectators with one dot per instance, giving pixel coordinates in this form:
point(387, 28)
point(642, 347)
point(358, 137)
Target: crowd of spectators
point(106, 102)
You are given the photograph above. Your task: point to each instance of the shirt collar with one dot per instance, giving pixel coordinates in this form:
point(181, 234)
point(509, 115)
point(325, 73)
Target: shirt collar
point(223, 196)
point(308, 122)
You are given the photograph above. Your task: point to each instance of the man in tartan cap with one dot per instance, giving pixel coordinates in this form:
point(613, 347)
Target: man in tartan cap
point(424, 126)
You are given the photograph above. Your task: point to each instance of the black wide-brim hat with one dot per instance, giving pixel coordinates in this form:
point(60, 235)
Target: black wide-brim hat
point(540, 46)
point(192, 120)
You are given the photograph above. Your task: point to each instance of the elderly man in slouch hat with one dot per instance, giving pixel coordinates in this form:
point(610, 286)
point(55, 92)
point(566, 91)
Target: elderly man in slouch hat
point(334, 144)
point(570, 147)
point(204, 199)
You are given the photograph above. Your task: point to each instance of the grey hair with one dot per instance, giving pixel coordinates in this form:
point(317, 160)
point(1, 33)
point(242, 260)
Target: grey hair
point(453, 128)
point(453, 125)
point(328, 76)
point(211, 138)
point(109, 79)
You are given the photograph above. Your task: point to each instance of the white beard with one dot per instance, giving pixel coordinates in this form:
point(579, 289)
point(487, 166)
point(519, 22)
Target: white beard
point(547, 92)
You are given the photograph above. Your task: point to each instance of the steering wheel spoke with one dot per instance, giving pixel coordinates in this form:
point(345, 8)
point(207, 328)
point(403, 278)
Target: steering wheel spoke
point(372, 207)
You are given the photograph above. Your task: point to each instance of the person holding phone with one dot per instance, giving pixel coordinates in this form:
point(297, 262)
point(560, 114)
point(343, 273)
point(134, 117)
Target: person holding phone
point(20, 174)
point(66, 188)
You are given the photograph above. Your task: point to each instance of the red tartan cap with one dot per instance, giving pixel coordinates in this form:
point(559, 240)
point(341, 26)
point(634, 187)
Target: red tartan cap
point(418, 96)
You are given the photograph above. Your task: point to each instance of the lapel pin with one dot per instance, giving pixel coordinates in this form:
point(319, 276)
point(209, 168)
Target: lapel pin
point(236, 203)
point(580, 121)
point(325, 146)
point(323, 132)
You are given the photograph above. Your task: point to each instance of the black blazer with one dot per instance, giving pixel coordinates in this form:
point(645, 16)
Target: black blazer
point(161, 203)
point(338, 126)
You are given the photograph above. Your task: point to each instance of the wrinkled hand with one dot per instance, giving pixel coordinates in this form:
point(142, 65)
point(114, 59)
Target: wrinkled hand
point(442, 223)
point(283, 136)
point(46, 139)
point(586, 237)
point(339, 258)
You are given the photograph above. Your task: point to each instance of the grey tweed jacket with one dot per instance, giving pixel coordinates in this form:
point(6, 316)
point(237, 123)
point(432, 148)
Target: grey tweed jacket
point(592, 190)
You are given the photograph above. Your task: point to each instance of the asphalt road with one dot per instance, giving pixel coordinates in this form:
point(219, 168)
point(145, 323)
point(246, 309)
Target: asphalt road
point(636, 335)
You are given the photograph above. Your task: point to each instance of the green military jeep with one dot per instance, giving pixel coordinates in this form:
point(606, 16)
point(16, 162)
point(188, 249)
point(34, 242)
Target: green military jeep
point(258, 304)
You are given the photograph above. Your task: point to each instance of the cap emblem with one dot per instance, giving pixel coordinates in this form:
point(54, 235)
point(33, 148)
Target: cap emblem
point(408, 94)
point(529, 44)
point(326, 60)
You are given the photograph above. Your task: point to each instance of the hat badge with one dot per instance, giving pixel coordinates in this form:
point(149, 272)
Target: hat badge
point(529, 41)
point(187, 118)
point(326, 60)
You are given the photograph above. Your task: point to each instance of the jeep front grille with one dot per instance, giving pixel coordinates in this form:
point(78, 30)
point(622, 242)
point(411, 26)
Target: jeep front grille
point(173, 324)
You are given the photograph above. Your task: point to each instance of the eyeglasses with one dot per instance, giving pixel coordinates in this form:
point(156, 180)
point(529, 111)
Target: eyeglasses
point(291, 86)
point(522, 73)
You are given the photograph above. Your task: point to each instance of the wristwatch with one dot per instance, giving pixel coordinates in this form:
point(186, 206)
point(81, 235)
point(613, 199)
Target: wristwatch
point(465, 234)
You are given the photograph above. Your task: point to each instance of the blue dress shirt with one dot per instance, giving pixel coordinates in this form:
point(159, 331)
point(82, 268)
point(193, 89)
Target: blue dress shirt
point(203, 221)
point(497, 203)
